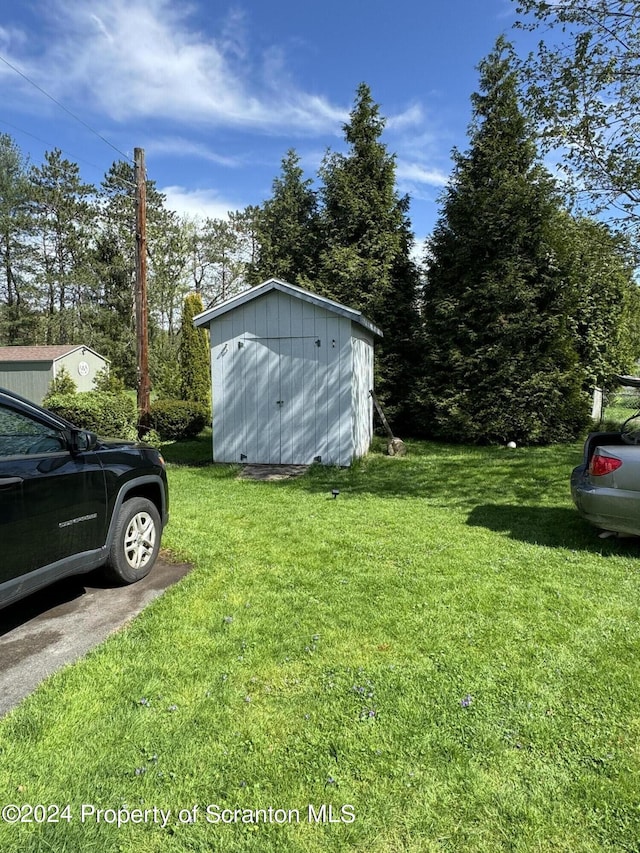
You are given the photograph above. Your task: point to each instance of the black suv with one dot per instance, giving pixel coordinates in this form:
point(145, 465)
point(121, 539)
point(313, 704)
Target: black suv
point(71, 502)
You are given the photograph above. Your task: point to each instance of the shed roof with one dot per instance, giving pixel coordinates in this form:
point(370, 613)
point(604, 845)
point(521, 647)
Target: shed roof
point(44, 353)
point(292, 290)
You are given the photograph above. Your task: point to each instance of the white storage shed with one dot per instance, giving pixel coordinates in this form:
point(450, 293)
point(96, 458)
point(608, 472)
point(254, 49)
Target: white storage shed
point(291, 374)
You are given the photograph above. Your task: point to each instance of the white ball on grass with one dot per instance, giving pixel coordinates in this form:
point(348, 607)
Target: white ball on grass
point(511, 445)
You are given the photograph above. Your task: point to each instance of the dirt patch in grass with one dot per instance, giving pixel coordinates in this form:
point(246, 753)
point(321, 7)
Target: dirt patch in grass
point(272, 472)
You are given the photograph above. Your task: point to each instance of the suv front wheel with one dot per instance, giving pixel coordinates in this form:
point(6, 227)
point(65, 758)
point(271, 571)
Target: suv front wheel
point(136, 541)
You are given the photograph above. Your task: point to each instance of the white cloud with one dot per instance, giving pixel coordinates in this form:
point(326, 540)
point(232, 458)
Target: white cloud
point(11, 36)
point(411, 117)
point(178, 146)
point(420, 174)
point(144, 59)
point(199, 203)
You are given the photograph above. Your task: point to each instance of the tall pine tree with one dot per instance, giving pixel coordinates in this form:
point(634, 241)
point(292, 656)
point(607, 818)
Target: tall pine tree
point(18, 321)
point(287, 228)
point(502, 359)
point(64, 212)
point(365, 260)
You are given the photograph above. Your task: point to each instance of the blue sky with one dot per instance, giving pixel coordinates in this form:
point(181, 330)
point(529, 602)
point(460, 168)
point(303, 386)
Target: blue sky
point(217, 92)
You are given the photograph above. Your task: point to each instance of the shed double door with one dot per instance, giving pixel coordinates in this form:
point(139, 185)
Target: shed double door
point(287, 400)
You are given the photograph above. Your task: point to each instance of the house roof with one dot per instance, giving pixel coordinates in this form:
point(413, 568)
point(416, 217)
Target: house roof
point(45, 353)
point(291, 290)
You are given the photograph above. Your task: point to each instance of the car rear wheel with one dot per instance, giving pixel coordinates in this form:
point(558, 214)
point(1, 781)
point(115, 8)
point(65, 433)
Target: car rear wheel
point(136, 541)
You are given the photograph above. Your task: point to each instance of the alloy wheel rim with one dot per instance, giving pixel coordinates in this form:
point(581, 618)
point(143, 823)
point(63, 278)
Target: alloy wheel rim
point(140, 540)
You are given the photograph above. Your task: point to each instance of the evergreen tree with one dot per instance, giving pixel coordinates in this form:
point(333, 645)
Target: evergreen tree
point(62, 383)
point(502, 358)
point(287, 229)
point(194, 354)
point(606, 322)
point(17, 250)
point(64, 214)
point(110, 322)
point(114, 266)
point(365, 260)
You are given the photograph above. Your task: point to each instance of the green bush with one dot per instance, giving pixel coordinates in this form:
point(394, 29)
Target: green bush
point(164, 368)
point(108, 381)
point(152, 438)
point(109, 415)
point(174, 419)
point(62, 383)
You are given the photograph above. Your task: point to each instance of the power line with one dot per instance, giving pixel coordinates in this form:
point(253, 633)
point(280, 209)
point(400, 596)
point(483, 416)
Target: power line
point(68, 111)
point(115, 178)
point(49, 144)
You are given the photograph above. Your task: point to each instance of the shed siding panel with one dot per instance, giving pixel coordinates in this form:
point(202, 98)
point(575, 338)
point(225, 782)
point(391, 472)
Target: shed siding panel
point(362, 404)
point(250, 380)
point(272, 421)
point(284, 315)
point(261, 391)
point(344, 344)
point(236, 363)
point(304, 354)
point(273, 314)
point(288, 396)
point(308, 320)
point(321, 428)
point(262, 326)
point(30, 379)
point(296, 319)
point(235, 404)
point(338, 419)
point(224, 403)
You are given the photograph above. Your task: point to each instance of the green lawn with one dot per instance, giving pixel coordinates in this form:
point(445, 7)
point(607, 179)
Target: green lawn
point(445, 650)
point(620, 406)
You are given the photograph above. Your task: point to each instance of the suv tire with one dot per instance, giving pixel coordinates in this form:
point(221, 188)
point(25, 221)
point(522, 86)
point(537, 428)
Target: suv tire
point(136, 541)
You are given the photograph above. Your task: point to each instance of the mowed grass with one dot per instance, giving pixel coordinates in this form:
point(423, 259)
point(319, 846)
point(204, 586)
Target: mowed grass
point(445, 651)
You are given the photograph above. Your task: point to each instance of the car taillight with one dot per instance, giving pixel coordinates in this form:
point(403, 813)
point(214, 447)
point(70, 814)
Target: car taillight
point(601, 465)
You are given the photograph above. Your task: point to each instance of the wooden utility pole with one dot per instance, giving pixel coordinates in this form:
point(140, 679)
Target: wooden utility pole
point(142, 334)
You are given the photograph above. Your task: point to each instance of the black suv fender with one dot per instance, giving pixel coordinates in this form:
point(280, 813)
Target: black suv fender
point(150, 486)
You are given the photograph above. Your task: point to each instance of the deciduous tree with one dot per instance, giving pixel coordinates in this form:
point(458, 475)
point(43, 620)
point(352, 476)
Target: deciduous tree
point(584, 86)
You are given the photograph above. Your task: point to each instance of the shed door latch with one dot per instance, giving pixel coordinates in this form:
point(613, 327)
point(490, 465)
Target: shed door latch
point(280, 403)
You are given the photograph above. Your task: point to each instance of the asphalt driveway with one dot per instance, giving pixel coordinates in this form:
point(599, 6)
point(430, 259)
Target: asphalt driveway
point(61, 623)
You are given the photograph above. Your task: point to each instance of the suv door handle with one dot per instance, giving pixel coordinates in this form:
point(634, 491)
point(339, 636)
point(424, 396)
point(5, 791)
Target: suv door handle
point(6, 482)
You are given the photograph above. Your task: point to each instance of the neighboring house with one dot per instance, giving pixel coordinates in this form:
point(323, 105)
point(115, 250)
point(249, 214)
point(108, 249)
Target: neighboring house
point(29, 370)
point(291, 374)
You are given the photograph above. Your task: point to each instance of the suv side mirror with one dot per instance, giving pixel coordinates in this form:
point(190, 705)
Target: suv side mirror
point(82, 440)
